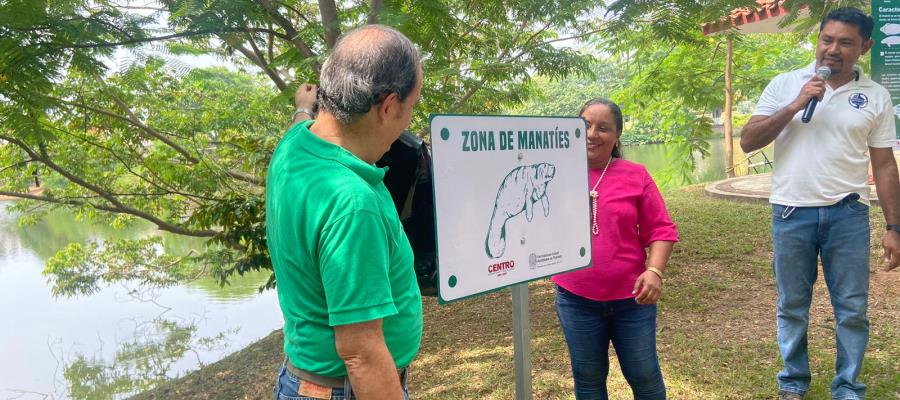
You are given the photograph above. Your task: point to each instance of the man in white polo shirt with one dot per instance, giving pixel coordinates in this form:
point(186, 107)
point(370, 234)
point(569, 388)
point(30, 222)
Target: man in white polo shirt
point(820, 199)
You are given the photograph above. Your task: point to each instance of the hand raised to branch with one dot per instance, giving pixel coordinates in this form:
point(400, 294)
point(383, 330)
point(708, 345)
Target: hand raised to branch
point(305, 96)
point(304, 103)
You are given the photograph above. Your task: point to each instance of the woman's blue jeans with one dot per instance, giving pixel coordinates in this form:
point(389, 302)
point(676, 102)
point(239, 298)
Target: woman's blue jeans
point(589, 327)
point(840, 235)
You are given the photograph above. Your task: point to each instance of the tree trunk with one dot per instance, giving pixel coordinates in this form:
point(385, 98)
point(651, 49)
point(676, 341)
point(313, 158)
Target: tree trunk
point(726, 114)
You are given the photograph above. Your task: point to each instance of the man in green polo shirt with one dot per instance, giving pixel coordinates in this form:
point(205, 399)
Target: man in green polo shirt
point(344, 267)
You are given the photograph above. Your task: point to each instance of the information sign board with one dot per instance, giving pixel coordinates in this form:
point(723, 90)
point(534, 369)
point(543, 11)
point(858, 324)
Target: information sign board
point(511, 200)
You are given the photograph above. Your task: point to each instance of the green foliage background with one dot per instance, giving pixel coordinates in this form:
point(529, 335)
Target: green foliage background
point(186, 149)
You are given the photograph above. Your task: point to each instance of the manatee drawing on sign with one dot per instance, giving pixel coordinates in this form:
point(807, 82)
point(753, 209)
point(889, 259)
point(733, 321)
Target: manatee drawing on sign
point(891, 40)
point(891, 29)
point(521, 188)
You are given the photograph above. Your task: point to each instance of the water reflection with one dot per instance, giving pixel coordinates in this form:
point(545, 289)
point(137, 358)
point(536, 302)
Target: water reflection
point(139, 363)
point(236, 290)
point(59, 228)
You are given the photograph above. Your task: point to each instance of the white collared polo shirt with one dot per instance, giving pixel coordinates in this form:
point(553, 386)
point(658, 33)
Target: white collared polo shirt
point(819, 163)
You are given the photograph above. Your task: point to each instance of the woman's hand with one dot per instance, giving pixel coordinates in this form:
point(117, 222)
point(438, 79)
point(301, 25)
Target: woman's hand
point(648, 288)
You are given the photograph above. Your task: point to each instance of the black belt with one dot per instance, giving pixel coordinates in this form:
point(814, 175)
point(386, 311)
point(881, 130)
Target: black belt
point(329, 381)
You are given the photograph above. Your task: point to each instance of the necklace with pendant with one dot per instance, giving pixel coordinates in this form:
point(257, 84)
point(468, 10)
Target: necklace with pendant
point(594, 195)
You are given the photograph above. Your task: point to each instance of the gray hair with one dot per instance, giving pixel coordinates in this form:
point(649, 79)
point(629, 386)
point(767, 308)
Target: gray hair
point(367, 65)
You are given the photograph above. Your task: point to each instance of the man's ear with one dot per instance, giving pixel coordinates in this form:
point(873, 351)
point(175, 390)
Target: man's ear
point(388, 107)
point(867, 45)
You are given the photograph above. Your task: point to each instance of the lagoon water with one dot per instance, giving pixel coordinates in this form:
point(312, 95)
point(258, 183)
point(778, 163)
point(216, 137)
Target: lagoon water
point(122, 339)
point(657, 157)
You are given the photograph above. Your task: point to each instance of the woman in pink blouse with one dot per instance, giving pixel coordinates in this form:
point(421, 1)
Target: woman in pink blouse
point(614, 300)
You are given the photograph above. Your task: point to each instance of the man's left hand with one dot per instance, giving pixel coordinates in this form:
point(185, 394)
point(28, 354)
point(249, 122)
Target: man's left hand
point(305, 96)
point(891, 245)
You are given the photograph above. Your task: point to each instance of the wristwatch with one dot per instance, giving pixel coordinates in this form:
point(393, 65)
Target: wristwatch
point(893, 227)
point(303, 110)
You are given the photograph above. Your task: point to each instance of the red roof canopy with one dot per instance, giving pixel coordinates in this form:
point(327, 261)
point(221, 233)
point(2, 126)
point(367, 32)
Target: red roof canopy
point(763, 19)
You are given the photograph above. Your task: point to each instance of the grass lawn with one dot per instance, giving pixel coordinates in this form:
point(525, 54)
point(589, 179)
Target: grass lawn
point(716, 328)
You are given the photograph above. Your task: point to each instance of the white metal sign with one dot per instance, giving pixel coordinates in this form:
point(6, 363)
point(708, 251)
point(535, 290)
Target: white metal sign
point(511, 200)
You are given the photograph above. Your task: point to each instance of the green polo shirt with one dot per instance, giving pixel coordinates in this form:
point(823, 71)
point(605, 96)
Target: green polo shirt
point(339, 252)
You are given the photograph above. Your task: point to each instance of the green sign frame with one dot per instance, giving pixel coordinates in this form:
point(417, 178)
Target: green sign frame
point(885, 52)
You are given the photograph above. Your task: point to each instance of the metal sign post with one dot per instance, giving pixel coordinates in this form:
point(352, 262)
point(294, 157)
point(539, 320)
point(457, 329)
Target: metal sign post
point(521, 341)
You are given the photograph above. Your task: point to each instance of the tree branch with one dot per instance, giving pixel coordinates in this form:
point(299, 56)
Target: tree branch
point(462, 100)
point(90, 108)
point(22, 145)
point(330, 21)
point(163, 227)
point(162, 185)
point(459, 103)
point(375, 9)
point(133, 120)
point(578, 36)
point(270, 44)
point(158, 38)
point(242, 176)
point(150, 131)
point(292, 34)
point(532, 37)
point(658, 65)
point(239, 175)
point(145, 8)
point(273, 73)
point(302, 16)
point(42, 156)
point(256, 57)
point(18, 164)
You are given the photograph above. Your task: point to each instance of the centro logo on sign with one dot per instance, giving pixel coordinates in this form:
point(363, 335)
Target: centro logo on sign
point(501, 268)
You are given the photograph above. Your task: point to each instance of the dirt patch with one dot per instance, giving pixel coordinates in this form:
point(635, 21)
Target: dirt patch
point(34, 191)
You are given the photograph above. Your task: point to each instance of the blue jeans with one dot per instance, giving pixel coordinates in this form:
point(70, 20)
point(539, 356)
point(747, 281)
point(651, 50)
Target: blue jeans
point(840, 235)
point(590, 325)
point(288, 386)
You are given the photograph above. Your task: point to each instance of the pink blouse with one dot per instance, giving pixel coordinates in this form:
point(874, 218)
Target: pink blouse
point(631, 215)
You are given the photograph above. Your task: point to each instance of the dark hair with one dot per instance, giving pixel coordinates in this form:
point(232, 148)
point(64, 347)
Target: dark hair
point(851, 16)
point(617, 115)
point(367, 65)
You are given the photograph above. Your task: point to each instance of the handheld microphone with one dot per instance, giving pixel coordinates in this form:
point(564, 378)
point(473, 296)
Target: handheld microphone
point(823, 72)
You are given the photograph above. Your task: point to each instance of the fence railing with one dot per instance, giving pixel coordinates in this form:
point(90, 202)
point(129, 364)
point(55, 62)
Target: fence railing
point(753, 163)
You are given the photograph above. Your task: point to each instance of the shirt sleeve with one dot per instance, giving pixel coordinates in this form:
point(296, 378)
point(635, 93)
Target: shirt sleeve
point(654, 223)
point(884, 133)
point(769, 103)
point(354, 262)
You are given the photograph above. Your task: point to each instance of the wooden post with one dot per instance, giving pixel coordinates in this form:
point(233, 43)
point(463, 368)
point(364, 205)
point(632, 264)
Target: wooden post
point(726, 115)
